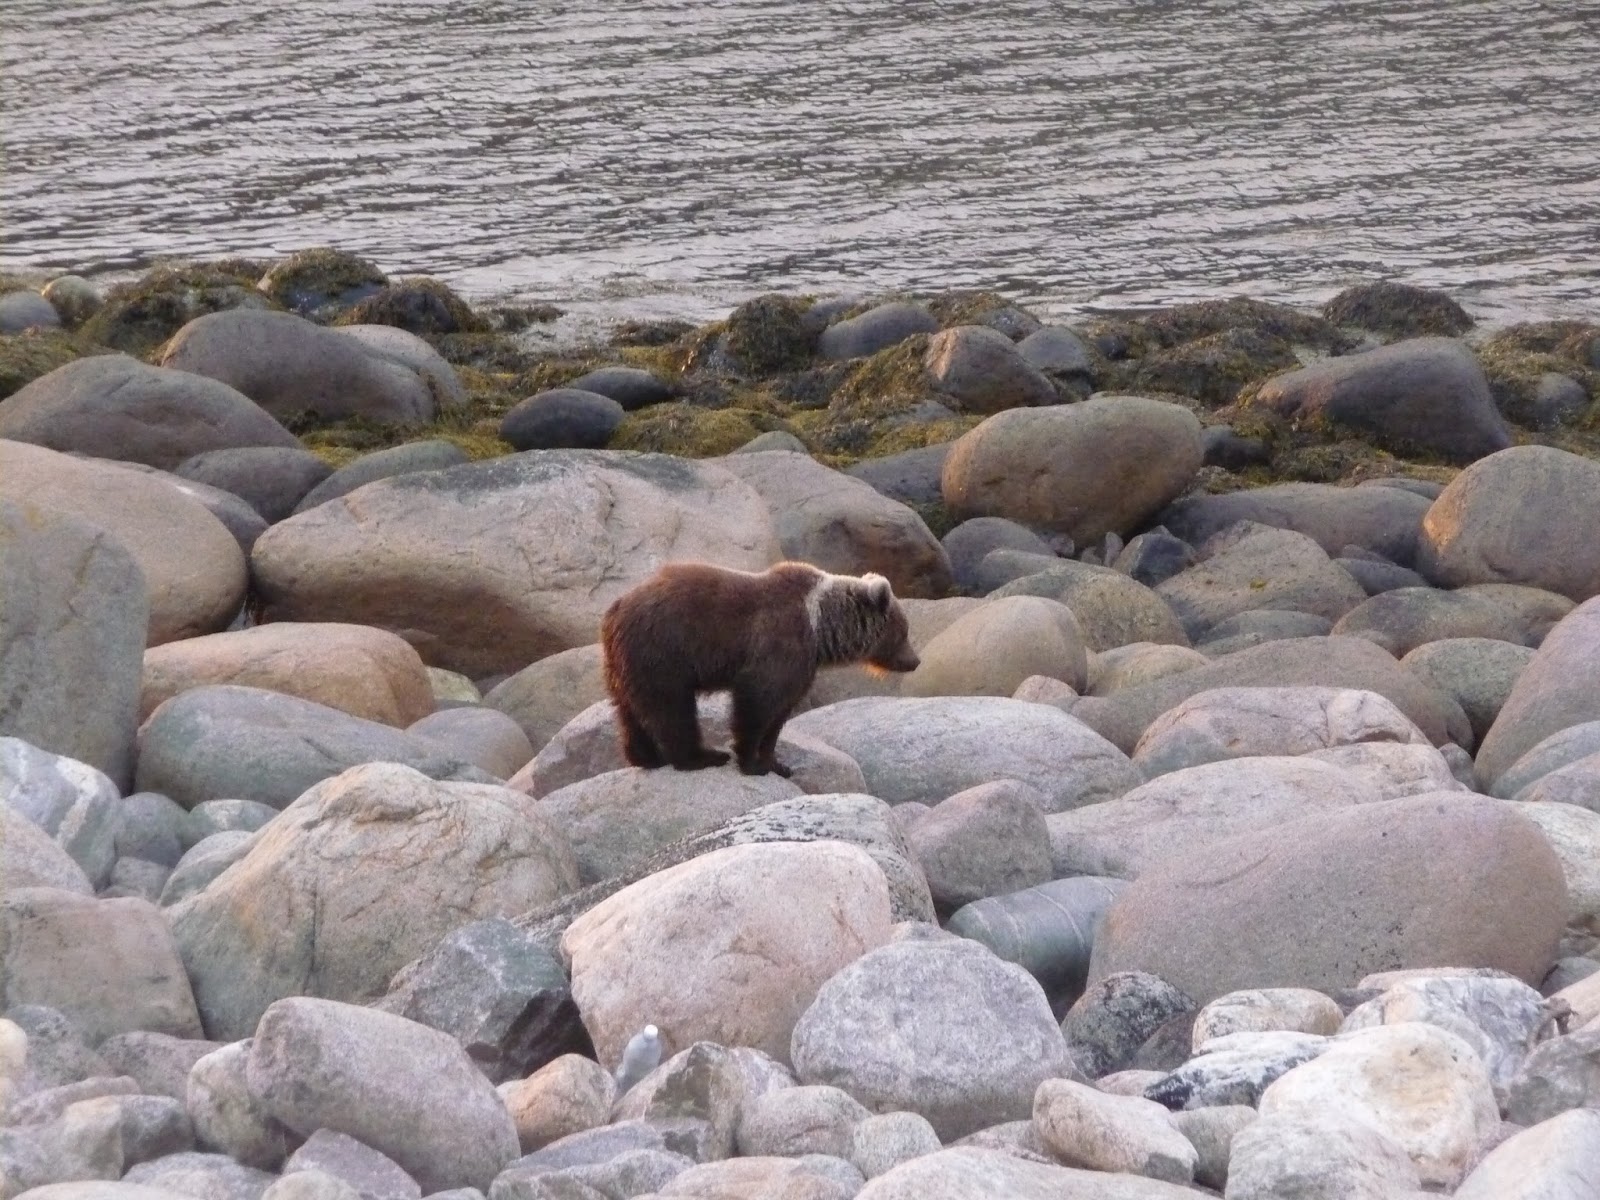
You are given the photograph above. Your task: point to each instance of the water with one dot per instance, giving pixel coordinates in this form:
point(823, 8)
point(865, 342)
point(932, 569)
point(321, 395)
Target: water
point(671, 157)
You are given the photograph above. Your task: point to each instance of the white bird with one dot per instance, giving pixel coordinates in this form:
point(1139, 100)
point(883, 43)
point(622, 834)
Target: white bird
point(643, 1055)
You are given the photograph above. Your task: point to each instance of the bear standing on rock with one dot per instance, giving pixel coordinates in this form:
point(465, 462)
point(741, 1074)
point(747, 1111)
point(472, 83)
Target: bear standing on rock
point(694, 628)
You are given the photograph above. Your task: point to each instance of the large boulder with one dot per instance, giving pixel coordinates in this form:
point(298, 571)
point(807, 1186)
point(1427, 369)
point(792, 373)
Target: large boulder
point(75, 804)
point(545, 695)
point(354, 880)
point(72, 631)
point(939, 1027)
point(403, 1089)
point(1422, 881)
point(729, 947)
point(927, 749)
point(1385, 520)
point(1330, 662)
point(1554, 691)
point(488, 566)
point(1103, 466)
point(290, 367)
point(432, 455)
point(992, 649)
point(30, 858)
point(366, 672)
point(1519, 516)
point(409, 350)
point(109, 965)
point(1185, 812)
point(981, 371)
point(194, 572)
point(1112, 609)
point(114, 406)
point(1425, 394)
point(243, 743)
point(1478, 673)
point(1402, 619)
point(843, 525)
point(271, 479)
point(1253, 567)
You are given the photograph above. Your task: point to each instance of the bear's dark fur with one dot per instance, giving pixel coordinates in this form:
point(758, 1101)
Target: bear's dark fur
point(694, 628)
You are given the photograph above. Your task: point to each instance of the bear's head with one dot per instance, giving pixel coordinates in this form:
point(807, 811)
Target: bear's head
point(860, 621)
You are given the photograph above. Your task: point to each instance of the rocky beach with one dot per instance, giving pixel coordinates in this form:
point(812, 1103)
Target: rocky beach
point(1238, 834)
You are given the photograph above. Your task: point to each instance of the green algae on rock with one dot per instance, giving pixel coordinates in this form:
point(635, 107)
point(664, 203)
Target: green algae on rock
point(138, 317)
point(26, 356)
point(318, 282)
point(418, 305)
point(1398, 310)
point(691, 432)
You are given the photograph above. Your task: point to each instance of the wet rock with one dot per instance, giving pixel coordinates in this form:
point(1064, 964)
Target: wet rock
point(1553, 692)
point(1254, 567)
point(1422, 1084)
point(505, 999)
point(874, 330)
point(1554, 1160)
point(1181, 812)
point(1106, 1026)
point(563, 418)
point(414, 546)
point(1381, 520)
point(631, 955)
point(291, 919)
point(1105, 465)
point(114, 406)
point(842, 525)
point(1112, 609)
point(981, 371)
point(194, 573)
point(1442, 879)
point(1226, 448)
point(227, 1115)
point(417, 305)
point(631, 387)
point(1423, 393)
point(374, 1176)
point(1083, 1127)
point(291, 367)
point(319, 281)
point(1516, 517)
point(1235, 1068)
point(1247, 722)
point(928, 749)
point(406, 1091)
point(1479, 672)
point(109, 965)
point(969, 1054)
point(383, 464)
point(74, 804)
point(1323, 1156)
point(485, 737)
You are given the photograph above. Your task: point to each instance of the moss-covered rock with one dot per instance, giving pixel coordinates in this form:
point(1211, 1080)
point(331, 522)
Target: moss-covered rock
point(969, 307)
point(769, 335)
point(1187, 322)
point(320, 282)
point(692, 432)
point(889, 382)
point(418, 305)
point(1398, 310)
point(842, 437)
point(650, 333)
point(1215, 368)
point(137, 317)
point(26, 356)
point(1518, 358)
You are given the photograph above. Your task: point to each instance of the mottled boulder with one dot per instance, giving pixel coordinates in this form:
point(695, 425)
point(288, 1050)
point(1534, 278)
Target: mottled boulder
point(941, 1028)
point(433, 455)
point(366, 672)
point(221, 741)
point(706, 1083)
point(69, 800)
point(840, 524)
point(1084, 1127)
point(874, 330)
point(1554, 691)
point(194, 573)
point(290, 367)
point(1106, 465)
point(1326, 1156)
point(563, 418)
point(653, 953)
point(1255, 567)
point(466, 563)
point(981, 371)
point(293, 918)
point(1115, 1016)
point(114, 406)
point(1416, 882)
point(30, 858)
point(985, 841)
point(405, 1090)
point(1425, 394)
point(930, 748)
point(1519, 516)
point(1383, 520)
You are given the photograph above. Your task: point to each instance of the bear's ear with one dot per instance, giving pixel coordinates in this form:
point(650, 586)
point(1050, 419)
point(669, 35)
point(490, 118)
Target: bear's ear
point(878, 591)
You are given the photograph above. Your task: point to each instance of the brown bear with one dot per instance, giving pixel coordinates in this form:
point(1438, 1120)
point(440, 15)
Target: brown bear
point(694, 628)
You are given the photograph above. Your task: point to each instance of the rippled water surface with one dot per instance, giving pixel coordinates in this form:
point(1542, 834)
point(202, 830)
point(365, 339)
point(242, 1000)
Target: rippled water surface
point(675, 156)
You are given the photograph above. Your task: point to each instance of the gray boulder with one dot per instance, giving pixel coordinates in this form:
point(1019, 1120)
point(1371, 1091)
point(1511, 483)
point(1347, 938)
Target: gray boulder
point(565, 418)
point(1385, 521)
point(1405, 618)
point(485, 737)
point(71, 801)
point(1560, 749)
point(632, 387)
point(1117, 1015)
point(981, 371)
point(1478, 672)
point(433, 455)
point(21, 310)
point(271, 479)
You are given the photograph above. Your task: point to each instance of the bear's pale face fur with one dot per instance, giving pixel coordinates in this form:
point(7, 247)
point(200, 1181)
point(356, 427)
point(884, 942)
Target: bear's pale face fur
point(694, 628)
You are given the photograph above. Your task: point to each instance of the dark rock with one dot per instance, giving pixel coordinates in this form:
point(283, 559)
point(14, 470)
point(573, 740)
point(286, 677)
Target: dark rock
point(631, 387)
point(1427, 394)
point(911, 477)
point(492, 988)
point(1236, 1072)
point(383, 464)
point(1379, 575)
point(271, 479)
point(562, 419)
point(1116, 1016)
point(874, 330)
point(113, 406)
point(320, 281)
point(27, 310)
point(1398, 310)
point(1056, 350)
point(150, 828)
point(1154, 557)
point(1233, 451)
point(971, 541)
point(982, 372)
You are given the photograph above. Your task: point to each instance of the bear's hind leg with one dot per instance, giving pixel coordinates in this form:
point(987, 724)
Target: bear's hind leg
point(674, 724)
point(638, 747)
point(758, 717)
